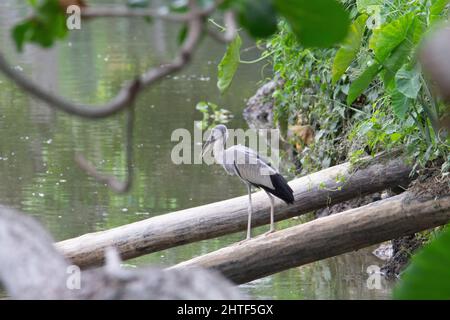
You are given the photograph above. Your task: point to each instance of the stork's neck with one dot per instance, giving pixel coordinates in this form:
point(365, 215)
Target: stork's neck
point(218, 150)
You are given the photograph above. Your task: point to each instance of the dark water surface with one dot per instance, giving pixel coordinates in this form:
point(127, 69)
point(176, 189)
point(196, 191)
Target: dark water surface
point(37, 146)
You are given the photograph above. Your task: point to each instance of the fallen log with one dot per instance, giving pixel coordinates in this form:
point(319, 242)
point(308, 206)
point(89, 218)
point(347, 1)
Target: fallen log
point(325, 237)
point(312, 192)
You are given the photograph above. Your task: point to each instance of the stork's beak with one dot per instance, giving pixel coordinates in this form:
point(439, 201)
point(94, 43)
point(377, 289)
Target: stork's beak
point(207, 145)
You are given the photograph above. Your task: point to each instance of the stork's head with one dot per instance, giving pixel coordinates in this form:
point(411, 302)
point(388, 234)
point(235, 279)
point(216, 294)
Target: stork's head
point(219, 134)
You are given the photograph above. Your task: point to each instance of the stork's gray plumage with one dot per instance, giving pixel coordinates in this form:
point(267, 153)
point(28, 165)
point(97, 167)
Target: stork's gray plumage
point(252, 169)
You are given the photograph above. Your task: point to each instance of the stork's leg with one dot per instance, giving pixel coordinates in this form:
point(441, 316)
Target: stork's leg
point(250, 211)
point(272, 222)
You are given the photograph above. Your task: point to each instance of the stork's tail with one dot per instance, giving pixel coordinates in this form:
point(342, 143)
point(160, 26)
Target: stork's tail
point(281, 188)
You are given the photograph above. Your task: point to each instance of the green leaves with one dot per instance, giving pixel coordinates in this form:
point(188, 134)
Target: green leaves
point(229, 64)
point(436, 10)
point(385, 39)
point(408, 82)
point(428, 275)
point(404, 90)
point(392, 45)
point(47, 25)
point(258, 17)
point(400, 104)
point(394, 62)
point(362, 82)
point(318, 23)
point(402, 53)
point(349, 49)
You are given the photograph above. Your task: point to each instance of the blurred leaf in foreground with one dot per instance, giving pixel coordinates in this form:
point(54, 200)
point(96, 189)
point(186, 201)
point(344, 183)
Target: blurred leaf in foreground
point(428, 275)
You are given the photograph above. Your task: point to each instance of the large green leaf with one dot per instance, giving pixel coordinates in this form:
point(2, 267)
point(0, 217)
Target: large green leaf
point(258, 17)
point(418, 28)
point(428, 275)
point(401, 54)
point(400, 103)
point(436, 10)
point(408, 82)
point(316, 23)
point(349, 49)
point(385, 39)
point(229, 64)
point(362, 82)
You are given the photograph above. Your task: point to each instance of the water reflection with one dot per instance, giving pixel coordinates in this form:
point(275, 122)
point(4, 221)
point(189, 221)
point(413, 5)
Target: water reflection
point(37, 145)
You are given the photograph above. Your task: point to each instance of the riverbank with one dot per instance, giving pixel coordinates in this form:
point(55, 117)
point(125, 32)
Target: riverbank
point(259, 113)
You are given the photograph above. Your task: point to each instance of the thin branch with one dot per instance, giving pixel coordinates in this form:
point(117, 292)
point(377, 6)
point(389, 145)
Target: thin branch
point(264, 56)
point(231, 25)
point(112, 182)
point(126, 97)
point(128, 93)
point(125, 12)
point(195, 28)
point(119, 102)
point(215, 35)
point(230, 29)
point(161, 13)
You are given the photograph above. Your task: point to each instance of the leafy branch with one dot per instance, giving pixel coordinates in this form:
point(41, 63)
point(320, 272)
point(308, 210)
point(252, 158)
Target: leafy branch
point(47, 24)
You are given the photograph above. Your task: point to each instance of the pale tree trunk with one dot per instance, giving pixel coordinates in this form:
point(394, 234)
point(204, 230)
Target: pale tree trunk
point(326, 237)
point(312, 192)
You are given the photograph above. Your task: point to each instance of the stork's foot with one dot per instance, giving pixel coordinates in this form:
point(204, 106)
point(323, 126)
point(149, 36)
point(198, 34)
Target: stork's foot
point(272, 230)
point(243, 241)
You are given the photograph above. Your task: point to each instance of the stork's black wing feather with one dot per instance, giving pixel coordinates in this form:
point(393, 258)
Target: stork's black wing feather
point(281, 188)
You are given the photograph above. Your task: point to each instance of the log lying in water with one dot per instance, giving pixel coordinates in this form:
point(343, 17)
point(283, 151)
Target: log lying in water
point(325, 237)
point(311, 192)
